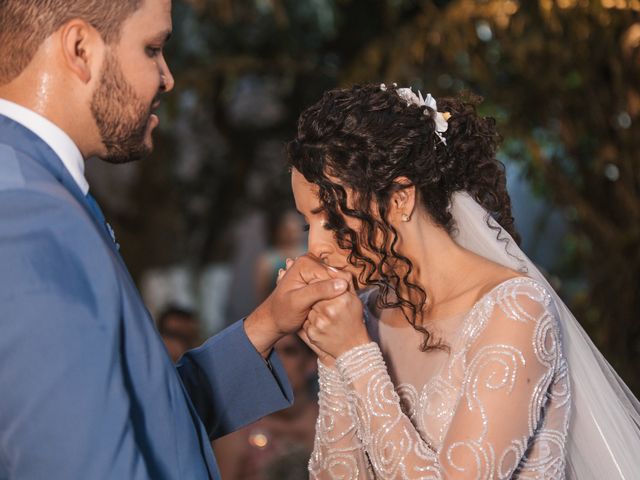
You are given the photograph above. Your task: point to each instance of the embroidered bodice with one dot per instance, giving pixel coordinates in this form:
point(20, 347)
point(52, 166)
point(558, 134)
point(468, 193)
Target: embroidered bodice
point(495, 405)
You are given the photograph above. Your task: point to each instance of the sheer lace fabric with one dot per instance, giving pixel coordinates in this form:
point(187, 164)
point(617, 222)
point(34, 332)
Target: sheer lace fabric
point(497, 405)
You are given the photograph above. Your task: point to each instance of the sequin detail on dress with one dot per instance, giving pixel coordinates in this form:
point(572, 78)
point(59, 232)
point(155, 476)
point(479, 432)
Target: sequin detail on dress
point(498, 407)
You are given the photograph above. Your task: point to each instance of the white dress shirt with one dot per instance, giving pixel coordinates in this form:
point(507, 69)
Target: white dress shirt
point(53, 136)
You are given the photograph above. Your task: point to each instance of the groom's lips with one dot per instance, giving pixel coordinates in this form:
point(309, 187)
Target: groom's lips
point(153, 117)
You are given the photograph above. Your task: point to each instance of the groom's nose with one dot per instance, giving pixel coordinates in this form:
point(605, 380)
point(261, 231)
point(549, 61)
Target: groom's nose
point(167, 80)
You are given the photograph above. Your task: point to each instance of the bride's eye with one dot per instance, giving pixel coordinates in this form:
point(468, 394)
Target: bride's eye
point(305, 227)
point(327, 225)
point(153, 52)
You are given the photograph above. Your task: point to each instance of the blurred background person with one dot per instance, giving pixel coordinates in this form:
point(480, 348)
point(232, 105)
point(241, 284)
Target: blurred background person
point(285, 234)
point(179, 329)
point(279, 445)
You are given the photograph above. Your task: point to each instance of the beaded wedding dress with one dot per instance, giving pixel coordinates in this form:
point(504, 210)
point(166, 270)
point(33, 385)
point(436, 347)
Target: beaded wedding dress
point(503, 401)
point(497, 403)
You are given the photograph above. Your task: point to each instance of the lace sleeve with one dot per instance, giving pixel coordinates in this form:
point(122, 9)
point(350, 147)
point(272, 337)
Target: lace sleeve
point(509, 365)
point(337, 451)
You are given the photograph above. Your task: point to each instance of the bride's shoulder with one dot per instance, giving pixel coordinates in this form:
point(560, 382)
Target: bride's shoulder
point(518, 296)
point(513, 312)
point(521, 285)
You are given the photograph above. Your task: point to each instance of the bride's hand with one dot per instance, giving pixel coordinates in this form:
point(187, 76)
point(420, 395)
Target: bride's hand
point(282, 271)
point(336, 326)
point(319, 311)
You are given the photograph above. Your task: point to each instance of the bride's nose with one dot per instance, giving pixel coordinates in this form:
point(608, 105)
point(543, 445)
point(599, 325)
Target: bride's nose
point(320, 242)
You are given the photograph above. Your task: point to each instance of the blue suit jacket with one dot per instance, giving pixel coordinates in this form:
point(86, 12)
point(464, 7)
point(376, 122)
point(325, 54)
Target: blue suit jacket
point(87, 390)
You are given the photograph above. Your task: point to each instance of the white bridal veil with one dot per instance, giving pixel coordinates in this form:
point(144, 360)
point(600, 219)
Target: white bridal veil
point(603, 442)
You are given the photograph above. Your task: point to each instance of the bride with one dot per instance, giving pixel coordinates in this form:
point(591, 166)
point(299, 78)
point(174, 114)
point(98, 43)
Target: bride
point(456, 359)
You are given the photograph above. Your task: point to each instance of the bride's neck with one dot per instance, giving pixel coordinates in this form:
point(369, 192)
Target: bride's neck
point(440, 265)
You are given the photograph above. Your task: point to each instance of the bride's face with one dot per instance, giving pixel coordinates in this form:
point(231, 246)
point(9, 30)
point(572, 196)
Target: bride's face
point(321, 239)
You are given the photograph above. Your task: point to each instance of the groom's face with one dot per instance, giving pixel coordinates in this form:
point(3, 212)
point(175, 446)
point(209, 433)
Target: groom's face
point(134, 74)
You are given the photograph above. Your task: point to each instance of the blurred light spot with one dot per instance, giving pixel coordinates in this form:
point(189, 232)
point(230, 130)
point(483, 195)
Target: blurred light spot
point(445, 81)
point(612, 172)
point(510, 7)
point(631, 39)
point(264, 6)
point(546, 4)
point(622, 4)
point(624, 120)
point(483, 30)
point(458, 85)
point(258, 440)
point(566, 3)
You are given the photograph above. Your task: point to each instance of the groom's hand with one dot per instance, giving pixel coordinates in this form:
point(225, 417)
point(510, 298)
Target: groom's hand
point(306, 282)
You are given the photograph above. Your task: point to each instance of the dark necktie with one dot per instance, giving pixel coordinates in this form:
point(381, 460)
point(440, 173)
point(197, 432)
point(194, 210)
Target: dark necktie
point(97, 213)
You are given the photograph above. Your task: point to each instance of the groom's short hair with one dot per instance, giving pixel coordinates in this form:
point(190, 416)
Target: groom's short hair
point(25, 24)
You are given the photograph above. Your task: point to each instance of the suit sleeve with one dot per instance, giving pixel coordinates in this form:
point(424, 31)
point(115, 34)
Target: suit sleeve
point(64, 406)
point(230, 384)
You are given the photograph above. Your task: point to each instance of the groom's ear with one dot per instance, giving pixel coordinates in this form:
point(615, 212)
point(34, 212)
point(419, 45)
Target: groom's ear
point(82, 49)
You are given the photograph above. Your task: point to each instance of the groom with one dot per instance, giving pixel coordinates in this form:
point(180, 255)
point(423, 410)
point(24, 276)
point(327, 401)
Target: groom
point(87, 390)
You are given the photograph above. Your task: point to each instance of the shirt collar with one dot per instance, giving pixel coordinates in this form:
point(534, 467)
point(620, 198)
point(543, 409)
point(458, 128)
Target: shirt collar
point(53, 136)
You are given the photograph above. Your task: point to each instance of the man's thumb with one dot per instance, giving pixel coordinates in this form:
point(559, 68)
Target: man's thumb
point(304, 298)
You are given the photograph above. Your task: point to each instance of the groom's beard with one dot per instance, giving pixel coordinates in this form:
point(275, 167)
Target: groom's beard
point(121, 116)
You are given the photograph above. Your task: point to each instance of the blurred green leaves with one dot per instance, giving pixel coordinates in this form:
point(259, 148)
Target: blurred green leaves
point(561, 77)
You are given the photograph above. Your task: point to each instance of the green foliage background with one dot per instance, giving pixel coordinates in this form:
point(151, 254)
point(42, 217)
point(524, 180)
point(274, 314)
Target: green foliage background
point(562, 78)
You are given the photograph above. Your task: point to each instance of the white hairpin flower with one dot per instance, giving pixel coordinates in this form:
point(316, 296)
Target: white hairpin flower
point(440, 118)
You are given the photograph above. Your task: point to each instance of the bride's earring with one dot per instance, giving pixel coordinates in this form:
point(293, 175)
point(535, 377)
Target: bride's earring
point(405, 217)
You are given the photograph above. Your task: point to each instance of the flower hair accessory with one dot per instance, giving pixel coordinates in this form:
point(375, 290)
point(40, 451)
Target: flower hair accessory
point(440, 118)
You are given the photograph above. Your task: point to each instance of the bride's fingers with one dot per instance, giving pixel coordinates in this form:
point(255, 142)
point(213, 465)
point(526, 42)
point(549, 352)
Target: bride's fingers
point(307, 332)
point(282, 271)
point(312, 317)
point(305, 338)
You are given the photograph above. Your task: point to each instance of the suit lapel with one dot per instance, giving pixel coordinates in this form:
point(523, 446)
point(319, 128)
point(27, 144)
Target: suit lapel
point(24, 140)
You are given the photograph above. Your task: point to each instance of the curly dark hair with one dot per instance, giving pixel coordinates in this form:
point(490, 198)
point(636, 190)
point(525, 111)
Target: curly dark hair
point(363, 138)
